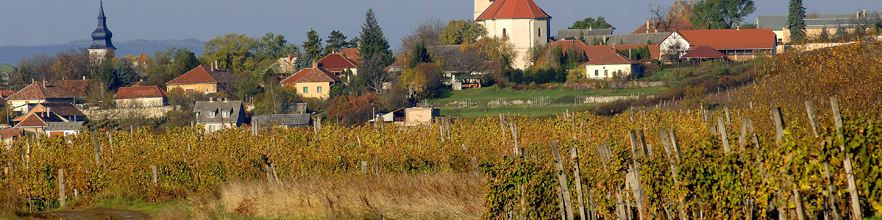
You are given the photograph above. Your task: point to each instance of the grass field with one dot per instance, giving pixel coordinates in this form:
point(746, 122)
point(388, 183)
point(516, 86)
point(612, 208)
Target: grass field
point(562, 100)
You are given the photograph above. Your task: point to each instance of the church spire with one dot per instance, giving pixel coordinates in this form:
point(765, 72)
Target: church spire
point(101, 36)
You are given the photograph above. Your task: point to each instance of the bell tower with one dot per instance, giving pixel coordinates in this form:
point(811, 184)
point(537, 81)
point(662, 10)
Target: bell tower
point(101, 44)
point(481, 6)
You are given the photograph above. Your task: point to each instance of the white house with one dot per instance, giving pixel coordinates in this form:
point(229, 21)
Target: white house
point(611, 64)
point(140, 96)
point(522, 21)
point(737, 44)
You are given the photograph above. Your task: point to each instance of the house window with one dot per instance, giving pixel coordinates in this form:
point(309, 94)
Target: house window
point(211, 128)
point(503, 32)
point(305, 90)
point(596, 72)
point(212, 114)
point(226, 114)
point(605, 72)
point(318, 89)
point(539, 31)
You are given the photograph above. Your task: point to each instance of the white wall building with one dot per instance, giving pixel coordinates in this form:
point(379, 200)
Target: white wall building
point(522, 21)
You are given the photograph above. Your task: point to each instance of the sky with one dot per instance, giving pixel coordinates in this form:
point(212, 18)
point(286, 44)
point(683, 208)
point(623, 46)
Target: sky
point(43, 22)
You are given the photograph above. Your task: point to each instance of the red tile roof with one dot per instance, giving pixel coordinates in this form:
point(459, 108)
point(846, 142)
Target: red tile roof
point(6, 93)
point(10, 132)
point(312, 75)
point(31, 120)
point(201, 75)
point(351, 53)
point(610, 57)
point(593, 51)
point(41, 90)
point(135, 92)
point(704, 52)
point(56, 108)
point(731, 39)
point(336, 63)
point(675, 25)
point(76, 87)
point(513, 9)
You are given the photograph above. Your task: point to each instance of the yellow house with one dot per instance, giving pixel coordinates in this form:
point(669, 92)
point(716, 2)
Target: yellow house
point(313, 82)
point(204, 79)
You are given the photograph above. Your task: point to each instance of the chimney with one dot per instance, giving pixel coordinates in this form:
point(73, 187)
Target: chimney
point(84, 77)
point(215, 66)
point(290, 57)
point(210, 99)
point(314, 64)
point(647, 26)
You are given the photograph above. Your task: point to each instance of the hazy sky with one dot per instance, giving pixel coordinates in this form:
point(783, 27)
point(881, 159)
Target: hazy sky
point(40, 22)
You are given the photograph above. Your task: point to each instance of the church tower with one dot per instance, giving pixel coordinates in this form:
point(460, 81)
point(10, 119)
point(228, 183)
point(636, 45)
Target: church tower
point(521, 21)
point(481, 6)
point(101, 44)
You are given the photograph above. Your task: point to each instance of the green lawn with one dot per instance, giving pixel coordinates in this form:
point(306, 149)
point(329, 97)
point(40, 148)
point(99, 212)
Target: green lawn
point(562, 100)
point(487, 94)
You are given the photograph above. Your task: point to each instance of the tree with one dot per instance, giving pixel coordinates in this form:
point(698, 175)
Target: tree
point(461, 31)
point(313, 46)
point(497, 49)
point(720, 14)
point(422, 81)
point(185, 60)
point(374, 52)
point(419, 55)
point(591, 23)
point(271, 47)
point(681, 10)
point(336, 42)
point(427, 32)
point(796, 20)
point(232, 52)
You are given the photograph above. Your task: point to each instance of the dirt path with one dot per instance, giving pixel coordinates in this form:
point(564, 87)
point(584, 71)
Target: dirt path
point(91, 214)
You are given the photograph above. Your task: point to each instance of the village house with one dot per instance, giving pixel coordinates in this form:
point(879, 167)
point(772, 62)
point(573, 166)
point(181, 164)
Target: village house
point(593, 51)
point(281, 120)
point(582, 34)
point(60, 118)
point(78, 87)
point(814, 24)
point(140, 96)
point(611, 64)
point(703, 53)
point(9, 135)
point(337, 64)
point(737, 44)
point(204, 79)
point(522, 21)
point(216, 115)
point(312, 82)
point(38, 92)
point(285, 64)
point(410, 116)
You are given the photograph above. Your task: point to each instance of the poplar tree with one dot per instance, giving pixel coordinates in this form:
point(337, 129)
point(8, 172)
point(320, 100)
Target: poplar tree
point(796, 20)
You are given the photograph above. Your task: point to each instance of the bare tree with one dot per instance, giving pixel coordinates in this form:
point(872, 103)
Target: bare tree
point(427, 32)
point(659, 20)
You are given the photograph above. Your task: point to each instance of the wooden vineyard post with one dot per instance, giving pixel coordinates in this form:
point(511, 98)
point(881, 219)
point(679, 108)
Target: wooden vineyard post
point(742, 138)
point(779, 124)
point(155, 177)
point(833, 199)
point(502, 126)
point(849, 173)
point(647, 150)
point(61, 196)
point(364, 167)
point(724, 135)
point(574, 155)
point(97, 150)
point(634, 148)
point(475, 169)
point(567, 205)
point(110, 139)
point(518, 151)
point(676, 145)
point(633, 176)
point(663, 135)
point(813, 118)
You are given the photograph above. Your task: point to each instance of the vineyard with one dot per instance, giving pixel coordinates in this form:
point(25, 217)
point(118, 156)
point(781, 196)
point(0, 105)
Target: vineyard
point(809, 149)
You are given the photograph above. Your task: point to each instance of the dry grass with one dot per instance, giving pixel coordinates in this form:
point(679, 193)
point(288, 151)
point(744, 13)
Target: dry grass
point(457, 196)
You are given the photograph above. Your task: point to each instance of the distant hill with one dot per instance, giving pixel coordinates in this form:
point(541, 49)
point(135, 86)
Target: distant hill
point(14, 54)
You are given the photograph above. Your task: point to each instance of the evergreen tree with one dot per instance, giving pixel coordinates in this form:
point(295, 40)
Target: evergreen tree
point(419, 55)
point(336, 42)
point(313, 46)
point(303, 62)
point(374, 52)
point(796, 20)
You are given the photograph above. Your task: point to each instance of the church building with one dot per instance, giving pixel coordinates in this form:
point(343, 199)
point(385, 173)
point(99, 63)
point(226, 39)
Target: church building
point(101, 45)
point(522, 21)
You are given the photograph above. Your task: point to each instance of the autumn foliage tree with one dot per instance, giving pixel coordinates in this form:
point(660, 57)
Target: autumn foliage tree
point(351, 109)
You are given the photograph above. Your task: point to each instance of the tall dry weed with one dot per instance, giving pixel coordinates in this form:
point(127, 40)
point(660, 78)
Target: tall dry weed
point(458, 196)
